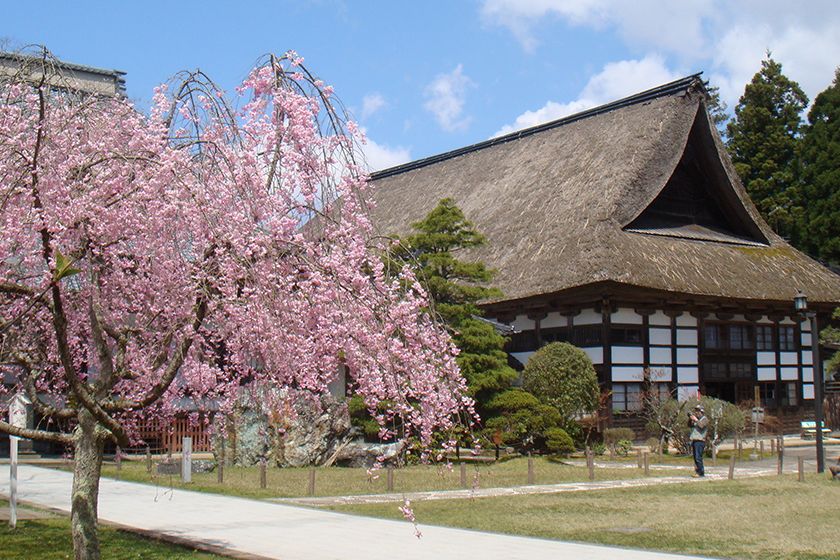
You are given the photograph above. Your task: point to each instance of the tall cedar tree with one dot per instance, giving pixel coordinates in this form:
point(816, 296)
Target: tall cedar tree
point(455, 286)
point(820, 163)
point(762, 139)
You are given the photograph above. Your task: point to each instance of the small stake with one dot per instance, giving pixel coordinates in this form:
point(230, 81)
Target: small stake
point(647, 464)
point(118, 459)
point(389, 479)
point(800, 464)
point(590, 462)
point(639, 459)
point(530, 469)
point(732, 467)
point(221, 474)
point(148, 459)
point(773, 446)
point(463, 475)
point(263, 474)
point(761, 448)
point(780, 450)
point(311, 489)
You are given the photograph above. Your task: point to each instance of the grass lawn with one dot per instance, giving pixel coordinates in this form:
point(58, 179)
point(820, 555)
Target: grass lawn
point(338, 481)
point(760, 518)
point(49, 539)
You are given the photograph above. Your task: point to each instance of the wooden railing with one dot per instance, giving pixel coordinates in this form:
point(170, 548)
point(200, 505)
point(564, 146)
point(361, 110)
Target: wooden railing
point(167, 436)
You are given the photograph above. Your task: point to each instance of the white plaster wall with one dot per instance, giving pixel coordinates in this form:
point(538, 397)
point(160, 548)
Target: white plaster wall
point(808, 374)
point(626, 315)
point(807, 357)
point(628, 355)
point(659, 318)
point(688, 375)
point(686, 320)
point(553, 319)
point(588, 317)
point(685, 392)
point(661, 374)
point(660, 355)
point(806, 326)
point(765, 358)
point(766, 374)
point(523, 323)
point(659, 336)
point(788, 358)
point(806, 339)
point(808, 391)
point(790, 374)
point(687, 356)
point(595, 353)
point(687, 337)
point(627, 373)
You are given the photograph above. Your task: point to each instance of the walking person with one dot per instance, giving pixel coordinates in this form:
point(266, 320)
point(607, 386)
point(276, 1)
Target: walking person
point(699, 426)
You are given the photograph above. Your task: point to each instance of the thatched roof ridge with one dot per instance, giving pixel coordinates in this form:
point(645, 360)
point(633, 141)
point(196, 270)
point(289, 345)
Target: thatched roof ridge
point(555, 203)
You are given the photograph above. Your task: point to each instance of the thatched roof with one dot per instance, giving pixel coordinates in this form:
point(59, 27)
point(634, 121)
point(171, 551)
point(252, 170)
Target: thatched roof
point(575, 201)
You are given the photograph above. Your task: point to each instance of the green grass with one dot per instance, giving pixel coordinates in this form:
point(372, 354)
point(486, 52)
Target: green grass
point(338, 481)
point(49, 539)
point(770, 518)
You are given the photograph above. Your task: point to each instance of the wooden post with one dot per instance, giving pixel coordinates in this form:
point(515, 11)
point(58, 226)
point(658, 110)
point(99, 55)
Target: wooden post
point(220, 474)
point(639, 459)
point(530, 469)
point(800, 464)
point(390, 479)
point(311, 489)
point(646, 461)
point(590, 463)
point(148, 459)
point(263, 474)
point(761, 448)
point(772, 446)
point(186, 459)
point(118, 459)
point(732, 467)
point(780, 450)
point(13, 479)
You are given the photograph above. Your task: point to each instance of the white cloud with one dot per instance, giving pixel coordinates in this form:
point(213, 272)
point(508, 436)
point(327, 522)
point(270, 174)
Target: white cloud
point(727, 39)
point(379, 156)
point(371, 103)
point(616, 80)
point(445, 98)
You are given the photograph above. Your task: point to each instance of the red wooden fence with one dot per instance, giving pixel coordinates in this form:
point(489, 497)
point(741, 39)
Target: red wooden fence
point(166, 437)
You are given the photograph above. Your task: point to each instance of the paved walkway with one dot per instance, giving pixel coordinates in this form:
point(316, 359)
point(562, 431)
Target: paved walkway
point(260, 529)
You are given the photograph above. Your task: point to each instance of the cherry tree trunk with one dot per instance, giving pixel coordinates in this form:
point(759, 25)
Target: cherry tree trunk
point(86, 472)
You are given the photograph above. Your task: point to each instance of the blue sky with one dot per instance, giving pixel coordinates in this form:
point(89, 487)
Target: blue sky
point(425, 77)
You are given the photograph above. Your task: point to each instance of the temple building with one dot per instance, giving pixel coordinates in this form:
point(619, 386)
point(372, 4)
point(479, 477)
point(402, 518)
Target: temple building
point(625, 230)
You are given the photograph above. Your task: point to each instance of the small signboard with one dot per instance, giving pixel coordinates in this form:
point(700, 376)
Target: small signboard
point(758, 415)
point(18, 411)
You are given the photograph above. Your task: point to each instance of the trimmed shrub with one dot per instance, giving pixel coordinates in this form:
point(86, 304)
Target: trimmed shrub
point(557, 441)
point(614, 435)
point(563, 376)
point(521, 419)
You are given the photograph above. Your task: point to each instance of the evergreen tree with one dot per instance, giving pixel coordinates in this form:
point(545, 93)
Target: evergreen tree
point(455, 287)
point(717, 109)
point(762, 140)
point(820, 163)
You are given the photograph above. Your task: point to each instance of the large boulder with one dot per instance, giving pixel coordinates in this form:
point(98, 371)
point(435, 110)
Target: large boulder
point(361, 454)
point(302, 431)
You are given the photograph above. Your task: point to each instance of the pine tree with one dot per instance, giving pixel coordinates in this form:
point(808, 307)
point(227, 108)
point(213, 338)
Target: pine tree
point(456, 286)
point(820, 163)
point(763, 138)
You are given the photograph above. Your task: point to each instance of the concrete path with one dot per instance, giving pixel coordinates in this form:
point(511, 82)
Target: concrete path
point(259, 529)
